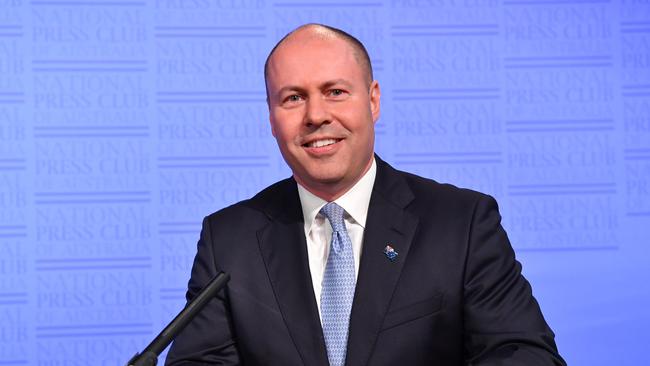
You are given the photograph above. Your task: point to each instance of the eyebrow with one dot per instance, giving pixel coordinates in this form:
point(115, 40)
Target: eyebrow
point(289, 88)
point(325, 85)
point(331, 83)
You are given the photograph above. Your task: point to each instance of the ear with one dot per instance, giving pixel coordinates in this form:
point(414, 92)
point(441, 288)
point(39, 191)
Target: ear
point(268, 105)
point(272, 124)
point(375, 96)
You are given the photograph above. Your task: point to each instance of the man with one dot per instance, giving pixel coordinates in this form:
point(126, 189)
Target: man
point(398, 270)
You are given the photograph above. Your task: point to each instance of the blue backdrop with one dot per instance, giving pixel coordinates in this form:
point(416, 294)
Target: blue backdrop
point(123, 123)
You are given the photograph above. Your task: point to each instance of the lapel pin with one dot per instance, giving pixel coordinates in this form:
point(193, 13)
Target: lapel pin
point(390, 253)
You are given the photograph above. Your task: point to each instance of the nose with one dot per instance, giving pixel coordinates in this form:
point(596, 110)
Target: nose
point(317, 112)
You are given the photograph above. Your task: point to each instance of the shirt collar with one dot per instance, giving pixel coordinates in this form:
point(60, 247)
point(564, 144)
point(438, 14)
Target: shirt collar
point(355, 201)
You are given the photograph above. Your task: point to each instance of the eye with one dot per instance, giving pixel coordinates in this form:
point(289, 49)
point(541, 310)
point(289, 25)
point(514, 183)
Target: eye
point(337, 93)
point(293, 98)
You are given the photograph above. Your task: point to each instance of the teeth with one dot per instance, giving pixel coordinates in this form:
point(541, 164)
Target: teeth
point(320, 143)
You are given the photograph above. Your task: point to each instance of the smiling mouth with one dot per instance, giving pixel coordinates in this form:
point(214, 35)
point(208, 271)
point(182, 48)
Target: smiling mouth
point(321, 143)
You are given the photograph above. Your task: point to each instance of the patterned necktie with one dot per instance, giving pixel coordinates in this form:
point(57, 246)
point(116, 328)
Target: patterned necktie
point(338, 287)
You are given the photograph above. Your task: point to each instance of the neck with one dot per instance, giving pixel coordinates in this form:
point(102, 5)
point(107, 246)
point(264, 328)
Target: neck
point(330, 191)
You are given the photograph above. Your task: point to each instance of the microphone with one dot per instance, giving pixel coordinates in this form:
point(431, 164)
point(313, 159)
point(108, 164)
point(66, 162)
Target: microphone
point(149, 357)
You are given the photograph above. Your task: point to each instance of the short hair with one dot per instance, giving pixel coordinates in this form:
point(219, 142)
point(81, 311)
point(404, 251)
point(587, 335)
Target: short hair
point(359, 50)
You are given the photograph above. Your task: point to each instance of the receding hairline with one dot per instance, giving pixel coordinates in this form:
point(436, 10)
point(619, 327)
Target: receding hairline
point(326, 32)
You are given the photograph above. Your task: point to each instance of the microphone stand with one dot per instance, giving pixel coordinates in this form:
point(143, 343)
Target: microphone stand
point(149, 357)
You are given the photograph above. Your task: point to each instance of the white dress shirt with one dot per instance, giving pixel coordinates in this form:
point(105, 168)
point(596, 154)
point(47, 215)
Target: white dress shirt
point(318, 230)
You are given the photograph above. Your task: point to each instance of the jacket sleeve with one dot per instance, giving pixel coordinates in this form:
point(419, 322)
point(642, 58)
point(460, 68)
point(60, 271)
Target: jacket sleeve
point(503, 322)
point(208, 339)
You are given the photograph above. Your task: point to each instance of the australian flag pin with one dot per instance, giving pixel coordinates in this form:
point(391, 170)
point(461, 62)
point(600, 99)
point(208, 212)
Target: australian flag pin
point(390, 253)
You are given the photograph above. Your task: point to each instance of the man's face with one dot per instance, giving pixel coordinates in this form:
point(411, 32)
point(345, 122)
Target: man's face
point(322, 112)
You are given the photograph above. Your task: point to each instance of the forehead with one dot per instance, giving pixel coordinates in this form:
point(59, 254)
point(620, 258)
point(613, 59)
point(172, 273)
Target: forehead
point(310, 57)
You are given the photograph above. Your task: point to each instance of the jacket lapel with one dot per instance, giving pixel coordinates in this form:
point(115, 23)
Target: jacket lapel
point(387, 224)
point(283, 246)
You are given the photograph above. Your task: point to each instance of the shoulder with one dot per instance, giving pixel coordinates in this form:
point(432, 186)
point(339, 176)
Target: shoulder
point(432, 195)
point(257, 210)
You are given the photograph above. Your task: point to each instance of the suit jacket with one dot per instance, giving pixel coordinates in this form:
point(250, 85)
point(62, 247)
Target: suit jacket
point(453, 296)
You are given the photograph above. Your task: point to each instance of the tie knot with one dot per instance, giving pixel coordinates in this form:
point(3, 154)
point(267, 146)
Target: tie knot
point(334, 213)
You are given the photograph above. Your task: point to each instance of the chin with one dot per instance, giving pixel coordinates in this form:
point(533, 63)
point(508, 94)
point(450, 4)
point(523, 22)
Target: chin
point(322, 178)
point(326, 179)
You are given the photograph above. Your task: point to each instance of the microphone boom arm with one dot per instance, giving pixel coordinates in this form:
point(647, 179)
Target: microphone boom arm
point(149, 357)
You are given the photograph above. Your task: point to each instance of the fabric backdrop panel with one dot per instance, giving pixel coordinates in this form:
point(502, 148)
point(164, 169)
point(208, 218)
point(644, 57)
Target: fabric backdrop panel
point(124, 123)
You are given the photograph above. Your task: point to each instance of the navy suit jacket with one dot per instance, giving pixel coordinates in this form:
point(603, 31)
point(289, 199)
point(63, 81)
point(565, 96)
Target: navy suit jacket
point(453, 296)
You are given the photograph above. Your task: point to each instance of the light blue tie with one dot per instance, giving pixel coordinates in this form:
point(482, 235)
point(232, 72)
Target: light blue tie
point(338, 287)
